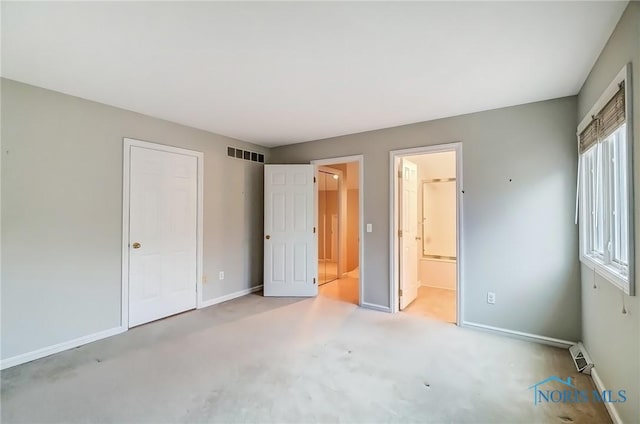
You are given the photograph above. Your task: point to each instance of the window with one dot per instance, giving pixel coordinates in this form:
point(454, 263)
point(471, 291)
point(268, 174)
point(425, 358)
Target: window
point(605, 184)
point(592, 204)
point(605, 202)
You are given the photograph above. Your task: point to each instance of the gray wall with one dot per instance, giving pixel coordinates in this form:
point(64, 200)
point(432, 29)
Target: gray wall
point(519, 237)
point(612, 338)
point(62, 213)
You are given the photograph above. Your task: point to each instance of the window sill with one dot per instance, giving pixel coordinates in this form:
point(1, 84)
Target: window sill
point(608, 273)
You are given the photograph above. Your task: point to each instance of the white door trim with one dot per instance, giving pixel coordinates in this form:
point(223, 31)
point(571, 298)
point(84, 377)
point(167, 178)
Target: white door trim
point(126, 171)
point(360, 160)
point(394, 256)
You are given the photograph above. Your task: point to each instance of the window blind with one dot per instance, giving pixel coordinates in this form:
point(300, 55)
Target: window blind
point(589, 136)
point(612, 115)
point(609, 119)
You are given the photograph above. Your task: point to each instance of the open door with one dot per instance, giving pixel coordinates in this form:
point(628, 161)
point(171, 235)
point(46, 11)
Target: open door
point(290, 259)
point(408, 233)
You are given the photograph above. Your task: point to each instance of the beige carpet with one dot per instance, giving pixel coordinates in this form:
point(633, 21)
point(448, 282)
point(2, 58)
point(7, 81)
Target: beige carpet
point(345, 289)
point(436, 303)
point(259, 359)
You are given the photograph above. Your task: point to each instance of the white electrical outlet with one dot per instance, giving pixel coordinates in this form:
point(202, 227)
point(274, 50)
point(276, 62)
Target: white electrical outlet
point(369, 228)
point(491, 298)
point(221, 275)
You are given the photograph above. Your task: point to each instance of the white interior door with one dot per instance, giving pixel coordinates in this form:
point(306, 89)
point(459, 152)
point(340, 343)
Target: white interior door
point(162, 234)
point(290, 258)
point(409, 237)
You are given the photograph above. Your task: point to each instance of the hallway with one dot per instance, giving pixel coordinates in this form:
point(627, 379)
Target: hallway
point(344, 289)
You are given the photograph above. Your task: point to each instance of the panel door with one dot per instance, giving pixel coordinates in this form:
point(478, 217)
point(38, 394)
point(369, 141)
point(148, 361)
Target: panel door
point(409, 236)
point(162, 235)
point(290, 258)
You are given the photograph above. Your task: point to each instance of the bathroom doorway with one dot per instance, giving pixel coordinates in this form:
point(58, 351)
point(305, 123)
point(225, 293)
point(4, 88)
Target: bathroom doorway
point(426, 244)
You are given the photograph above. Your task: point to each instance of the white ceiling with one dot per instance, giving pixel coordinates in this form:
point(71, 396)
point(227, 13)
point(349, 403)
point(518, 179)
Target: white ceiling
point(280, 73)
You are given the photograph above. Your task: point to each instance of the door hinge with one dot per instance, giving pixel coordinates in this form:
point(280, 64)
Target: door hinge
point(399, 233)
point(314, 179)
point(400, 292)
point(314, 281)
point(314, 230)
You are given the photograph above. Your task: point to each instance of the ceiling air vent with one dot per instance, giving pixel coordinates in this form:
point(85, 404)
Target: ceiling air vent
point(233, 152)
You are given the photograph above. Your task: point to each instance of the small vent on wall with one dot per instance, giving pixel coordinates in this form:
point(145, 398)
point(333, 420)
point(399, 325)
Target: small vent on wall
point(233, 152)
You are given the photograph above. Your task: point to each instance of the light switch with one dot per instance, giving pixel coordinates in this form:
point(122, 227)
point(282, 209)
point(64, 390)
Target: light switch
point(369, 228)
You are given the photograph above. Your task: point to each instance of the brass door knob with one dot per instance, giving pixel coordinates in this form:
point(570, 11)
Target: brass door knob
point(136, 245)
point(267, 236)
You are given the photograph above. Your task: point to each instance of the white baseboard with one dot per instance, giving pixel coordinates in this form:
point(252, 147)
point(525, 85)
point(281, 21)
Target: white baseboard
point(375, 307)
point(230, 296)
point(611, 408)
point(50, 350)
point(520, 335)
point(435, 286)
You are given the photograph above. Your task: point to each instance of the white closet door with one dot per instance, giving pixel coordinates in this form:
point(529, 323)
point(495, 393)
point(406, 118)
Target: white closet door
point(162, 234)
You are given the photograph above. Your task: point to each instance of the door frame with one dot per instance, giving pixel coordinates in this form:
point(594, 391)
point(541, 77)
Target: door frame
point(126, 195)
point(345, 159)
point(394, 253)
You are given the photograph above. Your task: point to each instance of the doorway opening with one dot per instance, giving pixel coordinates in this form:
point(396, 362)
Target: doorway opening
point(339, 217)
point(426, 231)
